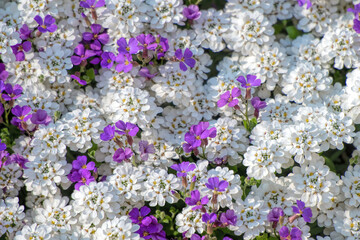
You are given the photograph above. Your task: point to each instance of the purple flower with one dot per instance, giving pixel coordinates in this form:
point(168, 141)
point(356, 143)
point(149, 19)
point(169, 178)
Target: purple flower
point(228, 218)
point(275, 214)
point(40, 117)
point(163, 47)
point(227, 238)
point(98, 37)
point(80, 164)
point(11, 92)
point(185, 59)
point(19, 50)
point(250, 81)
point(196, 134)
point(48, 25)
point(108, 59)
point(2, 146)
point(197, 237)
point(82, 54)
point(183, 168)
point(146, 42)
point(216, 185)
point(122, 154)
point(137, 215)
point(124, 63)
point(209, 218)
point(356, 26)
point(131, 48)
point(80, 81)
point(228, 98)
point(257, 104)
point(145, 149)
point(21, 115)
point(108, 134)
point(85, 178)
point(25, 32)
point(302, 2)
point(301, 210)
point(145, 72)
point(126, 128)
point(4, 155)
point(355, 10)
point(192, 12)
point(17, 158)
point(295, 233)
point(92, 4)
point(196, 200)
point(3, 75)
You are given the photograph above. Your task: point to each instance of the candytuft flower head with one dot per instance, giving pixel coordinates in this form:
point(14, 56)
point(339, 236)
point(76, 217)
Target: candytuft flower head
point(192, 12)
point(185, 59)
point(46, 25)
point(229, 98)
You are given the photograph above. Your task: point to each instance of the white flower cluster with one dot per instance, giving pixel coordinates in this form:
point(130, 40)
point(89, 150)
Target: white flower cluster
point(310, 83)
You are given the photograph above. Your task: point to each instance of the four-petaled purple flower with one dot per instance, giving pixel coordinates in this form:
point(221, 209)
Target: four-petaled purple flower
point(183, 168)
point(124, 47)
point(48, 25)
point(216, 185)
point(196, 200)
point(108, 59)
point(82, 178)
point(92, 4)
point(355, 10)
point(275, 216)
point(40, 117)
point(3, 75)
point(196, 237)
point(137, 215)
point(192, 12)
point(108, 134)
point(25, 32)
point(17, 158)
point(185, 59)
point(96, 36)
point(126, 128)
point(81, 165)
point(229, 99)
point(19, 50)
point(257, 104)
point(356, 26)
point(250, 81)
point(82, 54)
point(196, 134)
point(2, 146)
point(124, 63)
point(228, 218)
point(11, 92)
point(145, 149)
point(300, 210)
point(294, 234)
point(145, 72)
point(163, 47)
point(209, 218)
point(21, 115)
point(122, 154)
point(303, 2)
point(146, 42)
point(80, 81)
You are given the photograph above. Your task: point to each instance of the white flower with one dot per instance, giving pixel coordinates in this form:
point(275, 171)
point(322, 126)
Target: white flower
point(34, 231)
point(95, 202)
point(190, 221)
point(11, 215)
point(351, 187)
point(118, 228)
point(348, 223)
point(306, 47)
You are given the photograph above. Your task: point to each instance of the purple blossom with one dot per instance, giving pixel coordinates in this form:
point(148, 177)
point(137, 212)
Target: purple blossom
point(275, 214)
point(25, 32)
point(146, 42)
point(2, 146)
point(11, 92)
point(85, 178)
point(80, 81)
point(196, 134)
point(4, 155)
point(356, 26)
point(183, 168)
point(108, 59)
point(301, 210)
point(21, 115)
point(145, 149)
point(96, 36)
point(295, 233)
point(40, 117)
point(250, 81)
point(17, 158)
point(108, 134)
point(145, 72)
point(3, 75)
point(257, 104)
point(228, 218)
point(48, 25)
point(192, 12)
point(19, 49)
point(185, 59)
point(228, 98)
point(126, 128)
point(197, 237)
point(122, 154)
point(355, 10)
point(137, 215)
point(80, 164)
point(92, 4)
point(163, 47)
point(124, 47)
point(124, 63)
point(196, 200)
point(82, 54)
point(302, 2)
point(209, 218)
point(216, 185)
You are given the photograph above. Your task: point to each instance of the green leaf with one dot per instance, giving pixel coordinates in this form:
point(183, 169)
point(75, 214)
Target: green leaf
point(279, 27)
point(330, 164)
point(9, 135)
point(253, 123)
point(57, 115)
point(293, 32)
point(90, 73)
point(246, 125)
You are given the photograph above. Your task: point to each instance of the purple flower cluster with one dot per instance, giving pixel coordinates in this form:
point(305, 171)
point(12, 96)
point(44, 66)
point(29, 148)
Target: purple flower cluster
point(197, 137)
point(150, 228)
point(82, 172)
point(356, 11)
point(7, 159)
